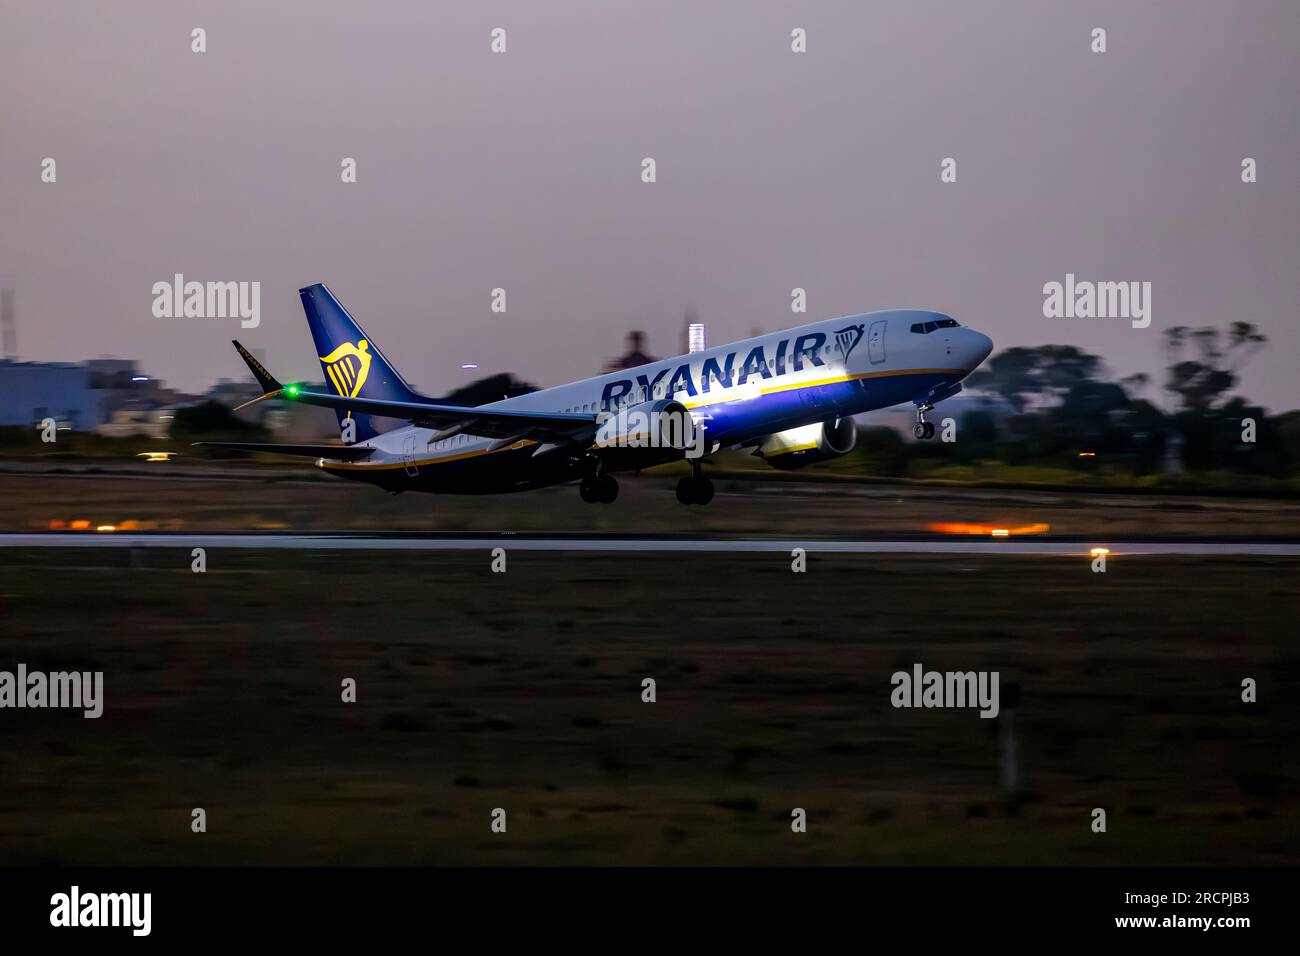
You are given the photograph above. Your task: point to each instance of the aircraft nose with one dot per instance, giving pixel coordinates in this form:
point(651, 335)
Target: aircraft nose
point(976, 348)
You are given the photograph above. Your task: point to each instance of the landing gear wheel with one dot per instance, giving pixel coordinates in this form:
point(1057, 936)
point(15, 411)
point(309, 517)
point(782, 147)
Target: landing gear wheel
point(589, 489)
point(923, 429)
point(606, 489)
point(695, 491)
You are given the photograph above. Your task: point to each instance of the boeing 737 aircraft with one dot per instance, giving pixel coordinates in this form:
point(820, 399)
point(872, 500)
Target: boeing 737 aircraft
point(787, 396)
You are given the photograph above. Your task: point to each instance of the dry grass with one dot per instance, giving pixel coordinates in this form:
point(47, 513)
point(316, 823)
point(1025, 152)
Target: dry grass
point(522, 691)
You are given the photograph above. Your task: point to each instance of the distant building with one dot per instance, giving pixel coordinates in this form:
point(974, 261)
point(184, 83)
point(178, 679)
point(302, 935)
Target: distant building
point(634, 356)
point(233, 394)
point(82, 395)
point(108, 373)
point(695, 337)
point(138, 418)
point(120, 383)
point(30, 392)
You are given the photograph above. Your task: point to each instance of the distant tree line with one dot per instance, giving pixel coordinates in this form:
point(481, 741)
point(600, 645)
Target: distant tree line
point(1062, 404)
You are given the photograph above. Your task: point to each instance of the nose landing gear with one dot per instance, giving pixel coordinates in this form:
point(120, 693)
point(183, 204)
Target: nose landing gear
point(923, 429)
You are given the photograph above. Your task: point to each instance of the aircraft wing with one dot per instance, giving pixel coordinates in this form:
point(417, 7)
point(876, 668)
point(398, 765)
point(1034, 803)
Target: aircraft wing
point(488, 422)
point(336, 452)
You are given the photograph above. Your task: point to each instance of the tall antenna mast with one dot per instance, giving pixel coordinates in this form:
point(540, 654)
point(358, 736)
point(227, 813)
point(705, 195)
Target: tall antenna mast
point(8, 330)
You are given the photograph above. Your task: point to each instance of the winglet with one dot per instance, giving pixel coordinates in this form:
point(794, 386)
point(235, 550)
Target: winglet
point(270, 387)
point(264, 378)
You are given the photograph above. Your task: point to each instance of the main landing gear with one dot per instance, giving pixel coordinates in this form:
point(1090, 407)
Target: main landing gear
point(695, 489)
point(923, 429)
point(602, 488)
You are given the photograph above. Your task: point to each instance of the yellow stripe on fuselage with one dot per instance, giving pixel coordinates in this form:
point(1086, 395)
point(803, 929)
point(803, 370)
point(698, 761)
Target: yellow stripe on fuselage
point(786, 386)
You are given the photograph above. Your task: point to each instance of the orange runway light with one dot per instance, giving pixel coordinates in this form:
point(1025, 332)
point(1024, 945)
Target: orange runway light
point(949, 527)
point(81, 524)
point(1087, 454)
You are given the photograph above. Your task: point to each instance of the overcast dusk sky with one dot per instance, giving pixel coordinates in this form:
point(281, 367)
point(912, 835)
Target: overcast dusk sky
point(522, 171)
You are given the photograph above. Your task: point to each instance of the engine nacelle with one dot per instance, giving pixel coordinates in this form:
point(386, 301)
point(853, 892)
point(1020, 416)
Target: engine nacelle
point(796, 447)
point(664, 423)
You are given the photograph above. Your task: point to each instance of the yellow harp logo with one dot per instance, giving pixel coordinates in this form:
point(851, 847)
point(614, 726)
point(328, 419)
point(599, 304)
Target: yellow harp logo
point(347, 367)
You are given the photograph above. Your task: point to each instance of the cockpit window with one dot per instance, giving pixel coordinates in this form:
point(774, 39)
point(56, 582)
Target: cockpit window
point(925, 328)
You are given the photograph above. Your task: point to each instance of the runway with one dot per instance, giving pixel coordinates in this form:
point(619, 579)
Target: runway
point(450, 541)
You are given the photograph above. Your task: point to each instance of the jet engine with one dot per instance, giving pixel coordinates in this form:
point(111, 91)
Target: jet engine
point(797, 447)
point(664, 423)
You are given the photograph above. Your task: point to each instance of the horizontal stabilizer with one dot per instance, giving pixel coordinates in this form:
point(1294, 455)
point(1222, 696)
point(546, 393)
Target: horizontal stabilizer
point(445, 420)
point(334, 452)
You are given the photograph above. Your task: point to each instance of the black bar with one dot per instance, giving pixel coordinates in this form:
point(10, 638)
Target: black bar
point(484, 907)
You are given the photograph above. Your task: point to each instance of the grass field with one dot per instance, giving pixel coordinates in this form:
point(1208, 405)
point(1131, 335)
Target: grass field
point(522, 691)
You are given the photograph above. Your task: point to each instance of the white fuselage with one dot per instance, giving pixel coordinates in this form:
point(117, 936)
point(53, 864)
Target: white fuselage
point(740, 391)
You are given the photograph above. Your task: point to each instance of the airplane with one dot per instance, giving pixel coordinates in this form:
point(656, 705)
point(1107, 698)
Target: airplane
point(787, 397)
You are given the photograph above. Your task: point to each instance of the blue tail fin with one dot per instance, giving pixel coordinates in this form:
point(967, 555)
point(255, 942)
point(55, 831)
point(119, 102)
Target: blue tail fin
point(352, 362)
